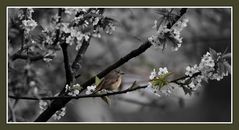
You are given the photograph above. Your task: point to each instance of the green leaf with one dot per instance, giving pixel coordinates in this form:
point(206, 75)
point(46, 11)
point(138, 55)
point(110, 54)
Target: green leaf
point(187, 90)
point(227, 66)
point(227, 56)
point(161, 80)
point(188, 81)
point(213, 54)
point(221, 68)
point(107, 100)
point(97, 80)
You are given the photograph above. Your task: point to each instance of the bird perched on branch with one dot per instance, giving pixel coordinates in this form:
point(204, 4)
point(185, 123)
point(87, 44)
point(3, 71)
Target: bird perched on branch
point(111, 81)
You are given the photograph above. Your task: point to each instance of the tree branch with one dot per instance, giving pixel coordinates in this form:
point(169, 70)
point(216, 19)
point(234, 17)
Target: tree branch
point(58, 103)
point(130, 89)
point(80, 96)
point(184, 77)
point(69, 76)
point(25, 57)
point(58, 30)
point(76, 65)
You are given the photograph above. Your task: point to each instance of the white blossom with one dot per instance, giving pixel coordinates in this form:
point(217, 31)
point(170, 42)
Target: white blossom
point(78, 45)
point(96, 20)
point(164, 34)
point(25, 12)
point(64, 27)
point(29, 25)
point(191, 70)
point(49, 56)
point(59, 114)
point(162, 71)
point(42, 105)
point(153, 75)
point(155, 89)
point(207, 71)
point(155, 24)
point(152, 90)
point(207, 60)
point(71, 11)
point(180, 25)
point(96, 35)
point(67, 88)
point(90, 89)
point(70, 40)
point(73, 90)
point(191, 85)
point(178, 46)
point(110, 28)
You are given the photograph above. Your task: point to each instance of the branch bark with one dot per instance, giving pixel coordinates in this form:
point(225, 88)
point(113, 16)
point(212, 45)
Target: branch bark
point(76, 65)
point(25, 57)
point(68, 73)
point(80, 96)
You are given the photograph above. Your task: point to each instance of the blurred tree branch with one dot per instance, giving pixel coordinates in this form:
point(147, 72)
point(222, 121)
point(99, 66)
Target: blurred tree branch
point(26, 57)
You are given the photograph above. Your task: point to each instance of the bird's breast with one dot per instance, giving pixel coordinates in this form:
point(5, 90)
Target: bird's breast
point(116, 85)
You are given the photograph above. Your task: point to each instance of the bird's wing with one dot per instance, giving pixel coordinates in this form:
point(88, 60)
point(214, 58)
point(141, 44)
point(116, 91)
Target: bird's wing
point(99, 86)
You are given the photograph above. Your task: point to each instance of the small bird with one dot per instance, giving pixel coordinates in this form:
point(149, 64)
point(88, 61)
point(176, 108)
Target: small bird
point(111, 81)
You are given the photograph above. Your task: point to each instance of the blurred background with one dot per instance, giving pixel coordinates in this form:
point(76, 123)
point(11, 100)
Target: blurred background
point(207, 28)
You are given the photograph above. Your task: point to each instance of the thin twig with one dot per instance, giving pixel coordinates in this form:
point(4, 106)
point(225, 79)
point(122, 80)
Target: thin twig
point(80, 96)
point(25, 57)
point(130, 89)
point(184, 77)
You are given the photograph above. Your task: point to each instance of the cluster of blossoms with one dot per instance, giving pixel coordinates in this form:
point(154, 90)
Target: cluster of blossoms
point(49, 34)
point(25, 15)
point(212, 67)
point(161, 71)
point(74, 11)
point(73, 35)
point(164, 34)
point(83, 23)
point(43, 105)
point(208, 68)
point(57, 116)
point(91, 89)
point(73, 90)
point(60, 113)
point(158, 81)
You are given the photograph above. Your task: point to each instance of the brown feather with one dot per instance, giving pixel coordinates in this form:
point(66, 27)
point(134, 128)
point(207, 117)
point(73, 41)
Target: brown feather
point(111, 82)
